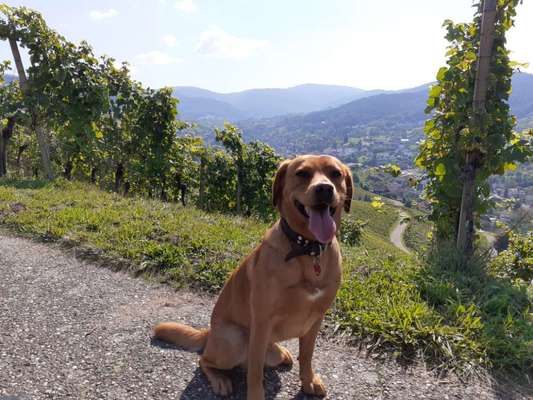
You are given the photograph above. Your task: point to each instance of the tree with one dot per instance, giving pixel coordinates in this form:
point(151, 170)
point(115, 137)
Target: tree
point(464, 145)
point(117, 122)
point(84, 98)
point(260, 165)
point(12, 112)
point(249, 173)
point(154, 132)
point(28, 27)
point(231, 139)
point(184, 166)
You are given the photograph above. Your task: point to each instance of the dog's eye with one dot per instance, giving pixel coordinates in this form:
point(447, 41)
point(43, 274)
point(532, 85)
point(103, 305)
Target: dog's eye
point(335, 174)
point(303, 174)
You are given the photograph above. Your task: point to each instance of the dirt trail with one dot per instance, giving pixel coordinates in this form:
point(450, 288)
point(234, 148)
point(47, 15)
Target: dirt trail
point(73, 330)
point(396, 235)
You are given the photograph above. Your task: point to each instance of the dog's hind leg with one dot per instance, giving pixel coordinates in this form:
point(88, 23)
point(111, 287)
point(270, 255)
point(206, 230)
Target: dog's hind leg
point(226, 348)
point(278, 355)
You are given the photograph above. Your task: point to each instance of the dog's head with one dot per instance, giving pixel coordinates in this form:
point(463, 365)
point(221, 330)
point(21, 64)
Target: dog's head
point(310, 192)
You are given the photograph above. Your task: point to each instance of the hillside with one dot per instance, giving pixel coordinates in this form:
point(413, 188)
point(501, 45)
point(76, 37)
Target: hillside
point(389, 124)
point(389, 301)
point(199, 104)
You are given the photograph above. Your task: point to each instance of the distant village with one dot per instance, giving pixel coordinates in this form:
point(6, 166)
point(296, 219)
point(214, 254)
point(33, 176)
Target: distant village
point(512, 194)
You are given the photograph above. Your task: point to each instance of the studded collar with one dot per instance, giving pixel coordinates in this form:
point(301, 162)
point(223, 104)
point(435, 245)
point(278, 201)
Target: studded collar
point(299, 244)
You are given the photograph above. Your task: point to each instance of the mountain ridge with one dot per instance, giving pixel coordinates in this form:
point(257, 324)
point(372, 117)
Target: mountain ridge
point(264, 103)
point(205, 105)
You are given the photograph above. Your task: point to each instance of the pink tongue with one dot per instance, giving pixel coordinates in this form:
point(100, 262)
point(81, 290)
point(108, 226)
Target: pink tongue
point(321, 224)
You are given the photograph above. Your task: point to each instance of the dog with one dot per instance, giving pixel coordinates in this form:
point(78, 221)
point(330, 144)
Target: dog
point(283, 289)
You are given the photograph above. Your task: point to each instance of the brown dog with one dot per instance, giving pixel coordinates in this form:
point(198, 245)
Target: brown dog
point(283, 288)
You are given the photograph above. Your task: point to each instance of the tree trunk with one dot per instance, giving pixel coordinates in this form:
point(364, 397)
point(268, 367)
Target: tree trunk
point(94, 171)
point(183, 190)
point(40, 131)
point(20, 150)
point(5, 136)
point(465, 233)
point(201, 194)
point(68, 170)
point(119, 176)
point(238, 205)
point(163, 190)
point(3, 156)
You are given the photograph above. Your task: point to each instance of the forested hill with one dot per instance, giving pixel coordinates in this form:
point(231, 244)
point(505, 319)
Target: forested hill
point(400, 115)
point(196, 103)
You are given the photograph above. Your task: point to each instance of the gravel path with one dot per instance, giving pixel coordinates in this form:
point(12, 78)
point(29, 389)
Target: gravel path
point(72, 330)
point(396, 235)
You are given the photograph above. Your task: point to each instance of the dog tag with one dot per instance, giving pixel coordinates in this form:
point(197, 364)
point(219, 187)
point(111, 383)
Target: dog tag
point(317, 268)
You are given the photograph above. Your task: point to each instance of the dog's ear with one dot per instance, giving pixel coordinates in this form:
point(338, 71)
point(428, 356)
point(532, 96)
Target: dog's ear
point(348, 180)
point(279, 182)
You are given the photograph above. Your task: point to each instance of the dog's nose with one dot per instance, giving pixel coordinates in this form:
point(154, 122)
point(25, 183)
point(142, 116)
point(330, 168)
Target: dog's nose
point(324, 192)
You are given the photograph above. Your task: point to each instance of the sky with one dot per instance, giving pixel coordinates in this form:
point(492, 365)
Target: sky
point(233, 45)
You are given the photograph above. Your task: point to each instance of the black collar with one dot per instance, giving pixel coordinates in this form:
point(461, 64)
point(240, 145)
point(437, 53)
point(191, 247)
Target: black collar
point(300, 245)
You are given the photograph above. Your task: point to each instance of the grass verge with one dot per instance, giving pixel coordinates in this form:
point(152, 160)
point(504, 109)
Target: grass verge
point(412, 307)
point(416, 235)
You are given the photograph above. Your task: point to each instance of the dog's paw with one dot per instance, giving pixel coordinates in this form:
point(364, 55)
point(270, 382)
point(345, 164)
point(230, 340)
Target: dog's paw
point(314, 387)
point(286, 357)
point(221, 385)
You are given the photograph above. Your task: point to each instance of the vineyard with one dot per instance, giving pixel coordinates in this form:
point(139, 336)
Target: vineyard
point(74, 114)
point(93, 159)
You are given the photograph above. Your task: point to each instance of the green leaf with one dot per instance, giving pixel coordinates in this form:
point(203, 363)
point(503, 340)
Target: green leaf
point(442, 73)
point(393, 169)
point(435, 91)
point(440, 171)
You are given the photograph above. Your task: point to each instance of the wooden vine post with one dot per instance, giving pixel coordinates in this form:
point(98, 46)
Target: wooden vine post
point(465, 232)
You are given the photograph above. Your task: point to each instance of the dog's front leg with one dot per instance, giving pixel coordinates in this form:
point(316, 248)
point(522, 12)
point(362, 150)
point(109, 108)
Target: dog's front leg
point(311, 382)
point(257, 347)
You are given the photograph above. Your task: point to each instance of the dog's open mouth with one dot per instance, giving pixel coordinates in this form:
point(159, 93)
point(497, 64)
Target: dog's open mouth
point(305, 210)
point(321, 223)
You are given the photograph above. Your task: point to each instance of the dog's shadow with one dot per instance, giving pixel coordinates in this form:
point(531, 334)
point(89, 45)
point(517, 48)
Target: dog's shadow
point(199, 389)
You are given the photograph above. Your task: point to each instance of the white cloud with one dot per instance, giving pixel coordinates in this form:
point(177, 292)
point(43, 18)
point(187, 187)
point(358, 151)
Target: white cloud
point(187, 6)
point(100, 15)
point(217, 43)
point(157, 58)
point(169, 40)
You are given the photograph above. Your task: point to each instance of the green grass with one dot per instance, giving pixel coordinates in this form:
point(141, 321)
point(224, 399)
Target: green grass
point(416, 234)
point(414, 307)
point(378, 226)
point(188, 246)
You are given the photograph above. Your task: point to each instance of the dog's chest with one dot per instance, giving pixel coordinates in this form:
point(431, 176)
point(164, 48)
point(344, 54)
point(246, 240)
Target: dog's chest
point(306, 300)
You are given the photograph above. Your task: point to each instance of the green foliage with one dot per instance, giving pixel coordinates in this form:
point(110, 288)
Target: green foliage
point(492, 311)
point(380, 221)
point(418, 234)
point(351, 231)
point(455, 131)
point(394, 170)
point(388, 300)
point(187, 246)
point(240, 177)
point(109, 129)
point(517, 261)
point(220, 181)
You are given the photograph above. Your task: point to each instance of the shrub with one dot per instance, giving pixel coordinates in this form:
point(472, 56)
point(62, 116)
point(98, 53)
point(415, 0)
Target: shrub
point(517, 261)
point(351, 230)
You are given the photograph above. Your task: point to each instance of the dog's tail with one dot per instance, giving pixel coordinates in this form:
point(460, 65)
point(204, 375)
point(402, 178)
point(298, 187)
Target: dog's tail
point(182, 335)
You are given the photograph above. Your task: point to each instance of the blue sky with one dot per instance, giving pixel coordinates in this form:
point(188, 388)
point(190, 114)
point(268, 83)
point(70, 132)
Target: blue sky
point(231, 45)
